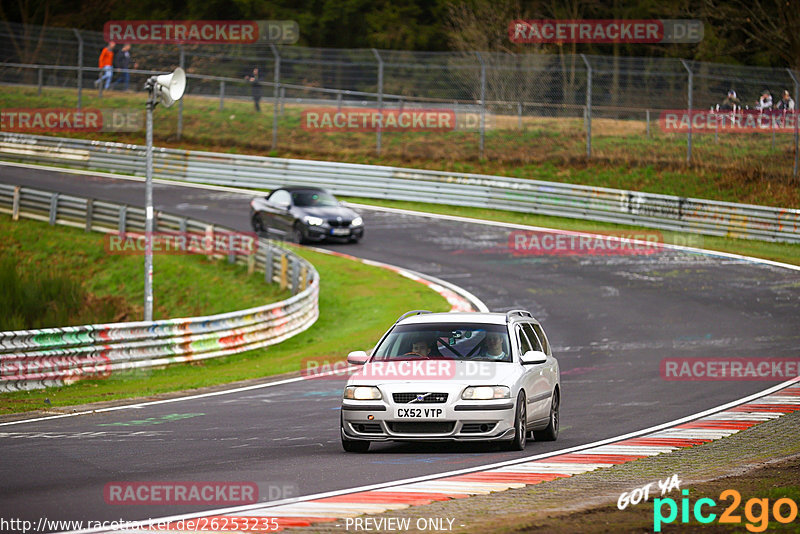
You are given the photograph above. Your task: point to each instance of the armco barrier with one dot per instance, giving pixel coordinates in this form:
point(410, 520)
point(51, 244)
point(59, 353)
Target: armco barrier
point(32, 359)
point(370, 181)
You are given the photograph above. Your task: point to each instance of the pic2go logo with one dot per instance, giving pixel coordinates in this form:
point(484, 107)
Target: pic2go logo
point(756, 511)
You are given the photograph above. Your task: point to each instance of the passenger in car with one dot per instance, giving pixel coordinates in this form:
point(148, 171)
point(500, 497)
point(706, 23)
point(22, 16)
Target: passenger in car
point(493, 348)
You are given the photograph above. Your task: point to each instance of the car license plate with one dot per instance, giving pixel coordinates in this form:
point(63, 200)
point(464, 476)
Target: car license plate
point(420, 413)
point(340, 231)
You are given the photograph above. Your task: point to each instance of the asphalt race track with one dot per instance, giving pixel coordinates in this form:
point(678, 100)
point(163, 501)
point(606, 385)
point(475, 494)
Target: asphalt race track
point(611, 320)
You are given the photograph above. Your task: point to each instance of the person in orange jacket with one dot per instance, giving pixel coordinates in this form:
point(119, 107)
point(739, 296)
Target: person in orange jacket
point(106, 65)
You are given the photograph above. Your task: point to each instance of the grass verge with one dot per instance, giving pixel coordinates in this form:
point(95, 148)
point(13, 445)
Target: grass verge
point(69, 252)
point(357, 303)
point(747, 168)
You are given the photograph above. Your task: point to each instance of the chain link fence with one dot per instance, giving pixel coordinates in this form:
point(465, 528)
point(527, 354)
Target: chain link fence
point(562, 106)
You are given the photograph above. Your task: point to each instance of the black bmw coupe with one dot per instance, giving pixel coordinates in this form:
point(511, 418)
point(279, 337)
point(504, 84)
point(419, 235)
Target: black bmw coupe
point(304, 214)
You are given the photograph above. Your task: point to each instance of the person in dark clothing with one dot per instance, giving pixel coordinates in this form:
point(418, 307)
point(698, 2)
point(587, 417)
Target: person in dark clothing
point(122, 62)
point(256, 89)
point(731, 102)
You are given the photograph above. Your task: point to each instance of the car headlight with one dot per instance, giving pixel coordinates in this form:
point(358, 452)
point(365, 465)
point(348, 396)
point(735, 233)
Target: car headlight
point(358, 221)
point(362, 393)
point(486, 393)
point(313, 221)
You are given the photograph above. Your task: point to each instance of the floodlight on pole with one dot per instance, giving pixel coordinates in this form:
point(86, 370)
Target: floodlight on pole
point(164, 89)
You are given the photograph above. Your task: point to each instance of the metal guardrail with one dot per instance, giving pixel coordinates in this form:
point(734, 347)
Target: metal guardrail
point(665, 212)
point(31, 359)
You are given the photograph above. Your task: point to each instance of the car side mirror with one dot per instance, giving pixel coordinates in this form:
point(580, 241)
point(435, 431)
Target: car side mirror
point(533, 356)
point(357, 357)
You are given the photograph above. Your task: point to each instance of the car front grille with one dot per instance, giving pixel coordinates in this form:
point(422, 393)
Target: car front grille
point(477, 428)
point(429, 398)
point(339, 224)
point(421, 427)
point(368, 428)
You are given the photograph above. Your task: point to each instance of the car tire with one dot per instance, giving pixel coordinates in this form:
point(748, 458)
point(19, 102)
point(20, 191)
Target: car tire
point(297, 234)
point(352, 445)
point(551, 432)
point(520, 427)
point(355, 446)
point(258, 224)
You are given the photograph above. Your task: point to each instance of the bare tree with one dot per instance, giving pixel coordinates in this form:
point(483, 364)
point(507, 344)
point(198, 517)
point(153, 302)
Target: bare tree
point(770, 24)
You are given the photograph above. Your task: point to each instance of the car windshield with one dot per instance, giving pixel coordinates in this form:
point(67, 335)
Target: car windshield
point(313, 198)
point(475, 342)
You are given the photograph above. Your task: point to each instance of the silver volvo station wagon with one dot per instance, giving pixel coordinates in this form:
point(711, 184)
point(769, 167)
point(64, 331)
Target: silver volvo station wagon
point(454, 377)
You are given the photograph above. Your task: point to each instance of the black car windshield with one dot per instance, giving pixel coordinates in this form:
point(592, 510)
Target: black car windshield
point(458, 341)
point(305, 199)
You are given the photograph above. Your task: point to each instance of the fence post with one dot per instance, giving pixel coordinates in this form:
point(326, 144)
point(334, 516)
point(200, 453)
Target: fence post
point(89, 214)
point(796, 117)
point(295, 277)
point(339, 101)
point(123, 216)
point(180, 102)
point(15, 203)
point(268, 269)
point(588, 106)
point(80, 67)
point(221, 94)
point(283, 98)
point(41, 72)
point(276, 92)
point(380, 102)
point(483, 102)
point(519, 115)
point(648, 124)
point(689, 130)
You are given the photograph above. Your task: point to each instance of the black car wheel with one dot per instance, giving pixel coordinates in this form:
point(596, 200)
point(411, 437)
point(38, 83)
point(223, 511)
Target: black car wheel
point(351, 445)
point(551, 432)
point(297, 234)
point(520, 427)
point(257, 224)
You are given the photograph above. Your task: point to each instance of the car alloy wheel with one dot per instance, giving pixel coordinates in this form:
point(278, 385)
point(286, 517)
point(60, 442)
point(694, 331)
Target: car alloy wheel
point(551, 432)
point(297, 235)
point(257, 224)
point(520, 427)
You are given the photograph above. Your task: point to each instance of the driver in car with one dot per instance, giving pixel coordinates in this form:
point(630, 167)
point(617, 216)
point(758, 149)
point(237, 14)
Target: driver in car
point(421, 346)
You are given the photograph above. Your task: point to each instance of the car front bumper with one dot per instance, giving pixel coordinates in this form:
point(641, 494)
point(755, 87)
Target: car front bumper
point(461, 421)
point(321, 233)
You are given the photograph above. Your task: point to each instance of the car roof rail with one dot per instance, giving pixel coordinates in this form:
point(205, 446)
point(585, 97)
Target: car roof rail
point(523, 313)
point(410, 313)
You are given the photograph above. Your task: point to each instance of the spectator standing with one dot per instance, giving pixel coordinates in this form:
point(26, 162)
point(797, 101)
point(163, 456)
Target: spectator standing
point(731, 102)
point(785, 104)
point(122, 62)
point(256, 88)
point(105, 63)
point(765, 102)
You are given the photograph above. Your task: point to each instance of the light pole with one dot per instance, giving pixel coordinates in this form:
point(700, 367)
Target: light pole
point(164, 89)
